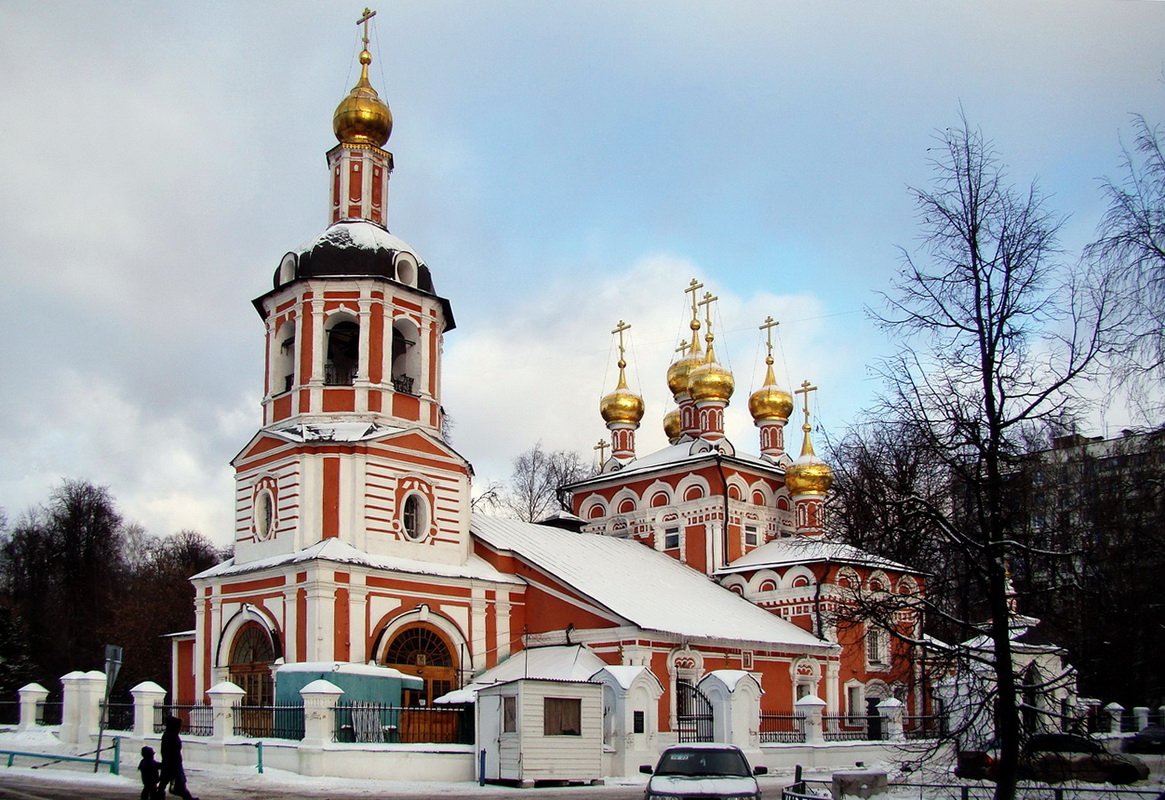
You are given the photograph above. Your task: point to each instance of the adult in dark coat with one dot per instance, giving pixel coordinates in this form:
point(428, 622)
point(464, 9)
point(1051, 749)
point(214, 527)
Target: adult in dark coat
point(172, 772)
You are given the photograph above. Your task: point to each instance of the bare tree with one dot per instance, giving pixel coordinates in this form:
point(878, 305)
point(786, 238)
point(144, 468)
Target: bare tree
point(994, 334)
point(1131, 247)
point(538, 474)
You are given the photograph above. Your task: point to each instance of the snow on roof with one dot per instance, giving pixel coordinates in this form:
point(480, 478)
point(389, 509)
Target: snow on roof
point(806, 549)
point(335, 550)
point(625, 674)
point(645, 587)
point(731, 678)
point(359, 234)
point(571, 662)
point(347, 668)
point(333, 431)
point(682, 454)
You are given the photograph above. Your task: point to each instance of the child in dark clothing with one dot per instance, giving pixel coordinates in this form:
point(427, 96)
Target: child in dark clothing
point(150, 769)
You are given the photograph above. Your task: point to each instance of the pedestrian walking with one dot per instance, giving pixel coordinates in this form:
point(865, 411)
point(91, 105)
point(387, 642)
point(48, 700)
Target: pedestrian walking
point(173, 775)
point(150, 770)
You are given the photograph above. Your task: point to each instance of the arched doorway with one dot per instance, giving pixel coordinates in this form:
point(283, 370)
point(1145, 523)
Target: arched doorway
point(251, 660)
point(423, 651)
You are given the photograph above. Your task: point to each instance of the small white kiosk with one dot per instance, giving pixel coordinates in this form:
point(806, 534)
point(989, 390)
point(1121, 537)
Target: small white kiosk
point(537, 729)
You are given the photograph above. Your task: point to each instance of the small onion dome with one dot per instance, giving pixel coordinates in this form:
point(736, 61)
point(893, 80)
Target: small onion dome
point(362, 117)
point(680, 370)
point(808, 474)
point(672, 425)
point(622, 405)
point(710, 381)
point(770, 402)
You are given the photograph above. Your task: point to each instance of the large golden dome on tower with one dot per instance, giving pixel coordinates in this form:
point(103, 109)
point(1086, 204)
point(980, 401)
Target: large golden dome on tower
point(770, 402)
point(808, 474)
point(711, 381)
point(622, 405)
point(362, 117)
point(680, 370)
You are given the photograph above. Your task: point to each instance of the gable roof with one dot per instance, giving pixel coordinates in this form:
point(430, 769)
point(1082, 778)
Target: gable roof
point(343, 432)
point(650, 590)
point(807, 550)
point(687, 455)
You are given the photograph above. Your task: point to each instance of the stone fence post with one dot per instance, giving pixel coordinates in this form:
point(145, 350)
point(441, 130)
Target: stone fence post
point(223, 697)
point(319, 697)
point(1141, 714)
point(891, 710)
point(1114, 711)
point(81, 715)
point(811, 708)
point(31, 696)
point(147, 696)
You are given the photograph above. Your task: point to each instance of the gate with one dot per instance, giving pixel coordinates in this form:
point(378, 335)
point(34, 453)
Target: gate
point(693, 714)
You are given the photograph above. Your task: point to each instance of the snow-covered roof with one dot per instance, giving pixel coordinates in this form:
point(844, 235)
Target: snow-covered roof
point(339, 431)
point(571, 662)
point(807, 549)
point(341, 552)
point(347, 668)
point(359, 235)
point(625, 674)
point(683, 454)
point(647, 588)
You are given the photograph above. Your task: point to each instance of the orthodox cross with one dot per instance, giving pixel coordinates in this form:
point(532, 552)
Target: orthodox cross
point(368, 15)
point(602, 448)
point(622, 326)
point(695, 285)
point(767, 327)
point(707, 302)
point(805, 389)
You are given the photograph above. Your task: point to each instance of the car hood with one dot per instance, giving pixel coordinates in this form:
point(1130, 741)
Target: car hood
point(719, 785)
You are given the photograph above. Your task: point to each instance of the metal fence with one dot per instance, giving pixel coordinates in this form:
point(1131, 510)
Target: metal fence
point(924, 727)
point(782, 728)
point(9, 712)
point(196, 720)
point(50, 713)
point(375, 722)
point(273, 722)
point(844, 728)
point(118, 716)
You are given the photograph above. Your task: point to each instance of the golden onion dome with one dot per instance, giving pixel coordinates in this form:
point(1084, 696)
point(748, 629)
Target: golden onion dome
point(362, 117)
point(770, 402)
point(710, 380)
point(808, 474)
point(672, 425)
point(680, 371)
point(622, 405)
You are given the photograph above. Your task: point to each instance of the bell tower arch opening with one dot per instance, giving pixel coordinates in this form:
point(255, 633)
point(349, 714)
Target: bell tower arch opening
point(406, 357)
point(343, 351)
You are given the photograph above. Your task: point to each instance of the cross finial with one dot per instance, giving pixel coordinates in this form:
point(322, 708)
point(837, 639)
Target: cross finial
point(707, 302)
point(622, 326)
point(683, 348)
point(364, 20)
point(602, 448)
point(767, 326)
point(693, 287)
point(805, 389)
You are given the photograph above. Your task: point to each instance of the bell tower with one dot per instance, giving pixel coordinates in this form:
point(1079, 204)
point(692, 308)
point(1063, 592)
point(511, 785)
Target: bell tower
point(352, 444)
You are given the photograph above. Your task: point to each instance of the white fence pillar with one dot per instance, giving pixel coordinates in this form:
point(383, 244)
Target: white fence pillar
point(31, 696)
point(1141, 714)
point(1114, 711)
point(319, 697)
point(81, 716)
point(811, 708)
point(223, 697)
point(891, 711)
point(147, 696)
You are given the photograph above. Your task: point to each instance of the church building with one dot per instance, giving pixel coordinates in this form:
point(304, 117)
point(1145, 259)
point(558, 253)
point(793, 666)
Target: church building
point(355, 542)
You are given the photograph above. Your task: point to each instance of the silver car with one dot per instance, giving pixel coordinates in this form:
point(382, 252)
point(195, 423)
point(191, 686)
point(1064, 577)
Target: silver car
point(706, 771)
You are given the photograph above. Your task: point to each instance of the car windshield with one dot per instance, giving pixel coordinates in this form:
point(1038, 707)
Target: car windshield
point(697, 762)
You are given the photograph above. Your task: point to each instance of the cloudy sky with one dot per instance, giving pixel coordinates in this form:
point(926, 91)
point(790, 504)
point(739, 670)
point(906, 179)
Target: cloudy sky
point(560, 166)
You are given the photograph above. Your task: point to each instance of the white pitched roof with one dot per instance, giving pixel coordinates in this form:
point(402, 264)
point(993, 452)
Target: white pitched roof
point(804, 550)
point(341, 552)
point(648, 589)
point(571, 662)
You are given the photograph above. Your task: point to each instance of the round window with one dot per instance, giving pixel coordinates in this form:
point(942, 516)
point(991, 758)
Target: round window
point(415, 517)
point(264, 514)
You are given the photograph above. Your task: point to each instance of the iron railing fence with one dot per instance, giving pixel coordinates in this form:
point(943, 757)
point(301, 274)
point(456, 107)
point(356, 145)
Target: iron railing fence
point(197, 720)
point(376, 722)
point(50, 713)
point(782, 728)
point(844, 728)
point(118, 716)
point(925, 726)
point(9, 712)
point(271, 722)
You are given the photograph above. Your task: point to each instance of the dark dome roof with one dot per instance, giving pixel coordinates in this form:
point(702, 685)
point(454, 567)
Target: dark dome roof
point(355, 247)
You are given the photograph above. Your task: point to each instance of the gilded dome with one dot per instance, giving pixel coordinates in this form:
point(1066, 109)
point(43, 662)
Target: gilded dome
point(680, 370)
point(808, 474)
point(770, 402)
point(622, 405)
point(672, 425)
point(711, 381)
point(362, 117)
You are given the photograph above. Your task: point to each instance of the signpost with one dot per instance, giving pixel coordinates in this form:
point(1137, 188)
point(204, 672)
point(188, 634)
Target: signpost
point(113, 654)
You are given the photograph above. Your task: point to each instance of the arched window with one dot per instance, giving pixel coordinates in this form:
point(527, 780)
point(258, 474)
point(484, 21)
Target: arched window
point(283, 359)
point(343, 354)
point(420, 650)
point(251, 660)
point(406, 357)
